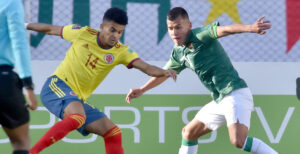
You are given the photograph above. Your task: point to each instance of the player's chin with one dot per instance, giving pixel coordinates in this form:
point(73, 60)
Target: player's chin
point(113, 43)
point(177, 42)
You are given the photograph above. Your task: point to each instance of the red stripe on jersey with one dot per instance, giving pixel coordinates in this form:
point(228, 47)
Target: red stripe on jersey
point(92, 31)
point(130, 65)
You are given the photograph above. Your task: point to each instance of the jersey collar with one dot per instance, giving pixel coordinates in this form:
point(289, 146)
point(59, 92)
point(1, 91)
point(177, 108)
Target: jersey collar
point(189, 38)
point(98, 40)
point(99, 44)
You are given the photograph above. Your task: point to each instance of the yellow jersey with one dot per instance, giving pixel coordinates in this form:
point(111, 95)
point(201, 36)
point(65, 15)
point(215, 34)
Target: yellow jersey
point(86, 64)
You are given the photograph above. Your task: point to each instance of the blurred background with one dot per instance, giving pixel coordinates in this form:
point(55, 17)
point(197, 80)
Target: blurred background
point(152, 124)
point(147, 34)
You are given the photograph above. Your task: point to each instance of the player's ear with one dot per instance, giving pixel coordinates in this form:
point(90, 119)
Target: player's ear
point(190, 25)
point(101, 26)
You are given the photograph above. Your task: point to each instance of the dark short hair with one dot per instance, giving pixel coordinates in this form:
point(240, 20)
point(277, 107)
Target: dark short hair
point(176, 12)
point(117, 15)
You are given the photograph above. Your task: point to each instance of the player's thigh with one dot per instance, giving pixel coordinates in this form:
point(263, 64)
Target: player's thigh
point(211, 115)
point(60, 99)
point(93, 114)
point(100, 126)
point(237, 107)
point(194, 129)
point(238, 133)
point(74, 107)
point(19, 136)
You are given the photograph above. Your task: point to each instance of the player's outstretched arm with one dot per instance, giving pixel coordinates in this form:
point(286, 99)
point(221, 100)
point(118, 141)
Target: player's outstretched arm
point(153, 70)
point(44, 28)
point(159, 76)
point(137, 92)
point(259, 27)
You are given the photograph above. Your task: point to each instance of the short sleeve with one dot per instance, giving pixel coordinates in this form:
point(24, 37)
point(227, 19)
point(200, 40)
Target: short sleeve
point(70, 32)
point(174, 65)
point(128, 57)
point(214, 30)
point(207, 33)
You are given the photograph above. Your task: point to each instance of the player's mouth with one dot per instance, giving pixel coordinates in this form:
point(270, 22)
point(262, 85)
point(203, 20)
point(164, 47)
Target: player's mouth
point(113, 41)
point(177, 38)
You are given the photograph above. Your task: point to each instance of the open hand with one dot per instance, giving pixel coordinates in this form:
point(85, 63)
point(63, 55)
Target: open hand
point(260, 26)
point(171, 73)
point(133, 93)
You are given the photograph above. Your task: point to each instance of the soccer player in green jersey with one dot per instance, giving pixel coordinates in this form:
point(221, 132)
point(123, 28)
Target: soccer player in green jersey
point(199, 50)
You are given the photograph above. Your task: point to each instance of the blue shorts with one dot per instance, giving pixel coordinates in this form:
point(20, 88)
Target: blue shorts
point(56, 95)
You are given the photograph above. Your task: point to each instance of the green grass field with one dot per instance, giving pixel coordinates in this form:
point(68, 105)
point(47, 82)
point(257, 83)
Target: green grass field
point(158, 120)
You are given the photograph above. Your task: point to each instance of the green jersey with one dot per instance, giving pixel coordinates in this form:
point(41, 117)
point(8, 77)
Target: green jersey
point(206, 57)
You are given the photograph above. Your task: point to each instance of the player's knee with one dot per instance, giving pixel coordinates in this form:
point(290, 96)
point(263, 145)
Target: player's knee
point(189, 134)
point(113, 141)
point(237, 142)
point(21, 142)
point(80, 118)
point(113, 132)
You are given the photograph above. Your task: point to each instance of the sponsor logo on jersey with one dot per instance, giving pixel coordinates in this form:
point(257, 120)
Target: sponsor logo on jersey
point(86, 46)
point(109, 58)
point(76, 26)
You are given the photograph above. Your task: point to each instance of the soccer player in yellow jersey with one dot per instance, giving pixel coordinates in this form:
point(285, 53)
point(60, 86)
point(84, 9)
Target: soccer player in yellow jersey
point(92, 56)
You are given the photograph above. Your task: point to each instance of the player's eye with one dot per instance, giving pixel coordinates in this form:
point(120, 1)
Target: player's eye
point(113, 30)
point(178, 27)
